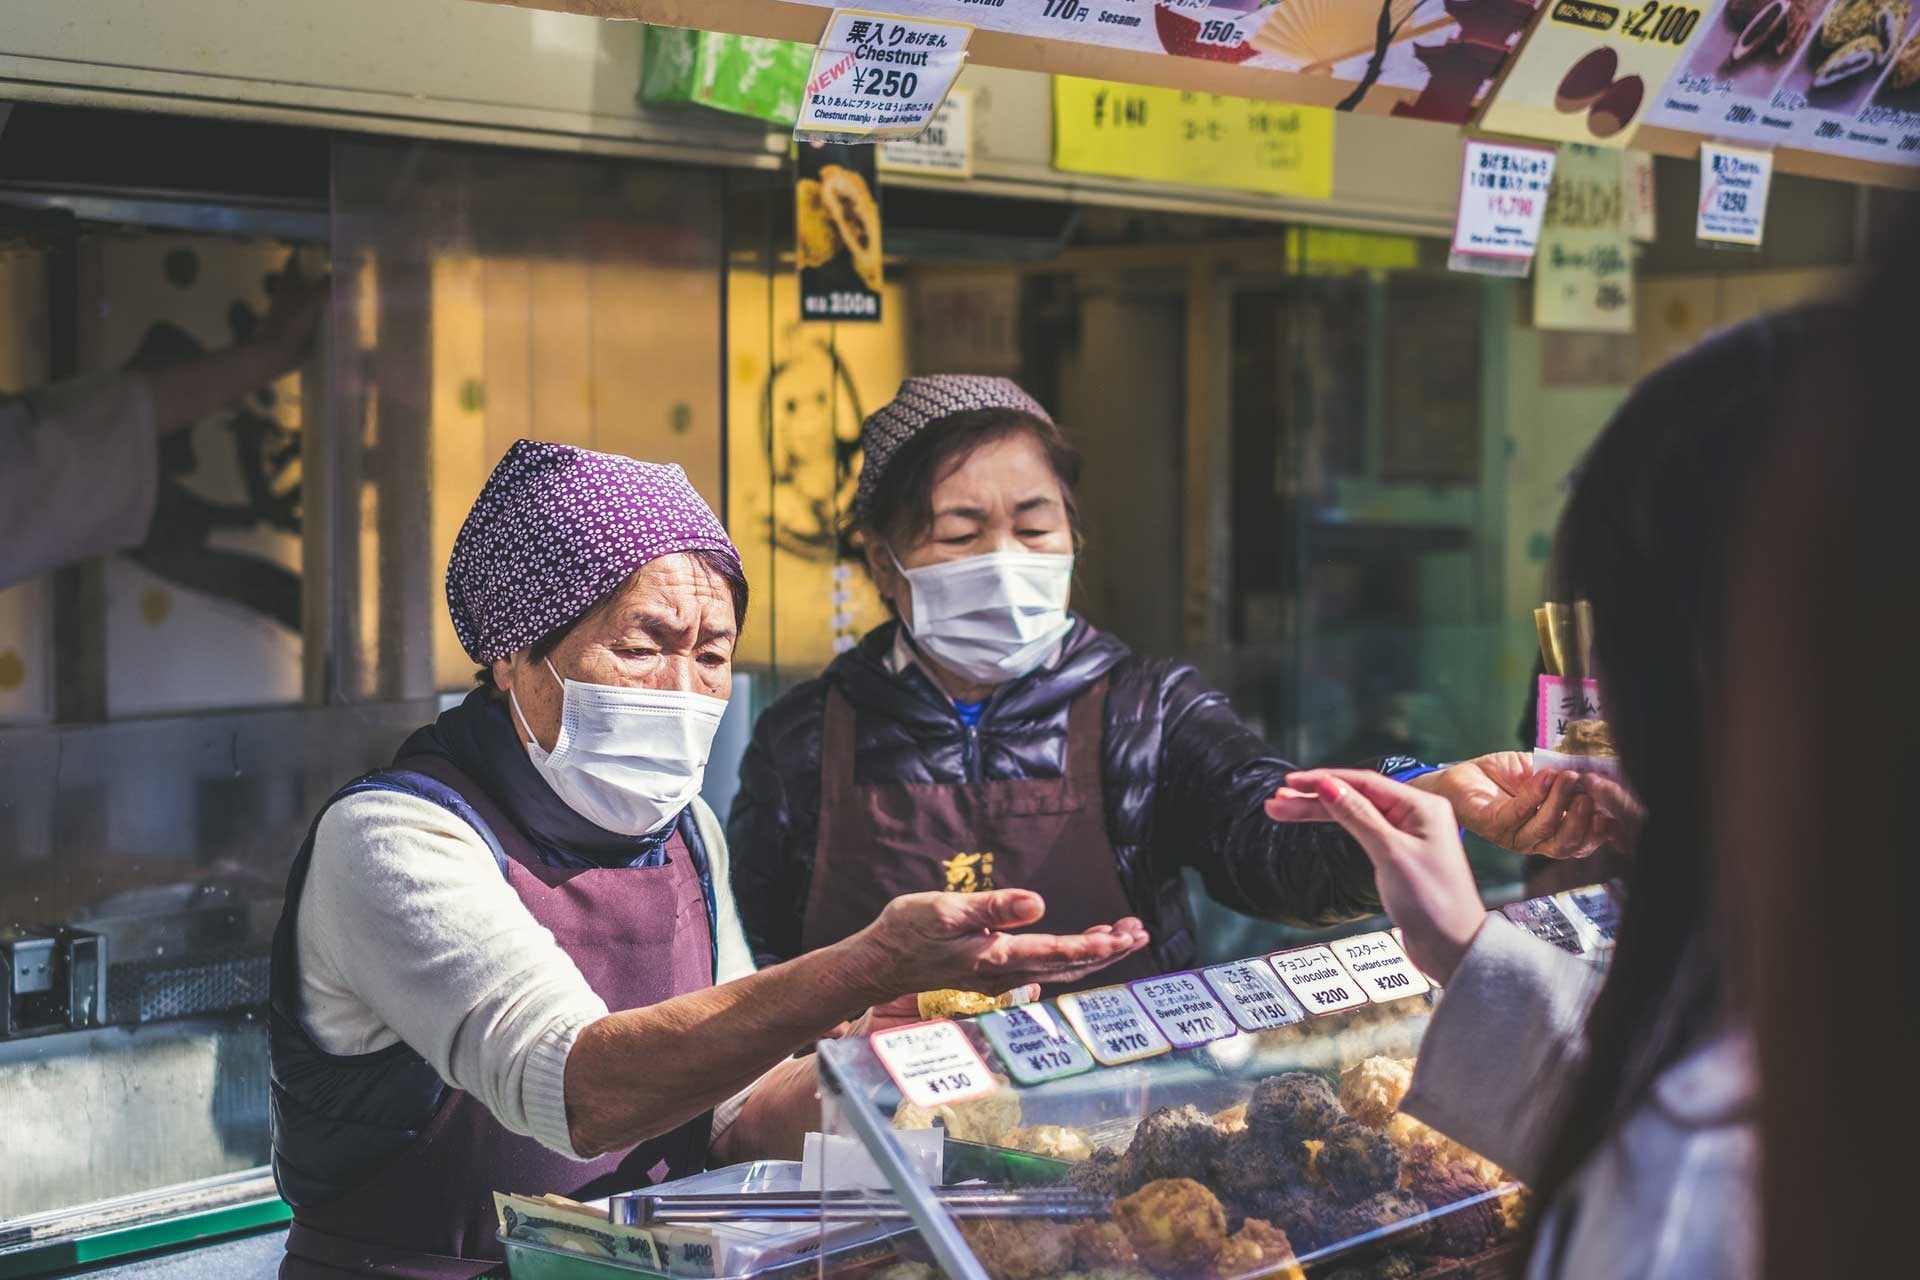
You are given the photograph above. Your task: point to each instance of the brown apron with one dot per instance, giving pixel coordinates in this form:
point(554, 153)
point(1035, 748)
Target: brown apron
point(639, 935)
point(1045, 834)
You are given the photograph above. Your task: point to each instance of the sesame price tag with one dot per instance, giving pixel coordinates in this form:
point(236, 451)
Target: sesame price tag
point(1319, 981)
point(1382, 967)
point(1545, 921)
point(1185, 1011)
point(1035, 1044)
point(933, 1063)
point(1252, 993)
point(879, 75)
point(1113, 1025)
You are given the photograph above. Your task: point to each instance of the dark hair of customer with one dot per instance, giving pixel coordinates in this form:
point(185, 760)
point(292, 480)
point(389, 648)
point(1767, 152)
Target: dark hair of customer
point(900, 511)
point(1813, 797)
point(1644, 537)
point(722, 567)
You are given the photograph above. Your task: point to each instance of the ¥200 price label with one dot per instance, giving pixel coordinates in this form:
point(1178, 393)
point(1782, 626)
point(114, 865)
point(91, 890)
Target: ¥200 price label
point(933, 1063)
point(1113, 1025)
point(1380, 966)
point(1186, 1012)
point(1319, 981)
point(1253, 994)
point(1035, 1044)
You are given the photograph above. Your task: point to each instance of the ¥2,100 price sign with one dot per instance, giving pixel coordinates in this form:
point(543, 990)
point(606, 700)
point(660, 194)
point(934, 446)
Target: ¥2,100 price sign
point(934, 1064)
point(1113, 1025)
point(878, 75)
point(1319, 981)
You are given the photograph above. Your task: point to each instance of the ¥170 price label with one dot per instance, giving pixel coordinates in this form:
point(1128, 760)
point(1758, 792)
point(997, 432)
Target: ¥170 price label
point(1113, 1025)
point(933, 1063)
point(1184, 1009)
point(1035, 1044)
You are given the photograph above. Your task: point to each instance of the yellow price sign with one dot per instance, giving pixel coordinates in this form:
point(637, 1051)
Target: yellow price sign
point(1192, 139)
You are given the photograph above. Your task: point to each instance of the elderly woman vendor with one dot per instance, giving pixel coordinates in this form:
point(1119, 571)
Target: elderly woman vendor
point(512, 960)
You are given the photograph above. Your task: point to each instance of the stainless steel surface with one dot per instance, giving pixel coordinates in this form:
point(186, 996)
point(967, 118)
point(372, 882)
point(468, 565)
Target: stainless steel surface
point(641, 1209)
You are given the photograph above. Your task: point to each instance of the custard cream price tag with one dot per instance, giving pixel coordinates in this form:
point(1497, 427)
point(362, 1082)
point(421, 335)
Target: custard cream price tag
point(1381, 967)
point(1252, 992)
point(1035, 1044)
point(880, 75)
point(933, 1063)
point(1184, 1010)
point(1113, 1025)
point(1319, 981)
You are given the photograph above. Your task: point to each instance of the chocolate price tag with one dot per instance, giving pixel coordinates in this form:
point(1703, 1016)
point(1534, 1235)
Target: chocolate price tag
point(1381, 967)
point(1319, 981)
point(1035, 1044)
point(1113, 1025)
point(1185, 1011)
point(1252, 992)
point(933, 1063)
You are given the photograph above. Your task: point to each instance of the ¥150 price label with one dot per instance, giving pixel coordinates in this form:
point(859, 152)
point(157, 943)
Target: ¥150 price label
point(1319, 981)
point(1113, 1025)
point(1035, 1044)
point(1381, 967)
point(933, 1063)
point(1253, 994)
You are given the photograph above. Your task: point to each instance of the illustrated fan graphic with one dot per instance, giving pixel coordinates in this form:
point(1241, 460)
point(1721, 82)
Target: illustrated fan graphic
point(1317, 34)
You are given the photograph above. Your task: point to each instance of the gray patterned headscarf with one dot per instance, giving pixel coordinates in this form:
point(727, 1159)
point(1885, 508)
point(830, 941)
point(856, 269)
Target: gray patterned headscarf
point(556, 530)
point(919, 404)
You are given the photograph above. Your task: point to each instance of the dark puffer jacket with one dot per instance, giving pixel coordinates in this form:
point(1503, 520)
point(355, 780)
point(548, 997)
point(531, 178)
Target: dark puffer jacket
point(1183, 780)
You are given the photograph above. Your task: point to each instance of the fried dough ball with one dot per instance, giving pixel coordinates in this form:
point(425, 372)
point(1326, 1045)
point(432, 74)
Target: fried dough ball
point(1258, 1248)
point(1174, 1142)
point(1356, 1162)
point(1056, 1142)
point(1386, 1209)
point(1307, 1220)
point(1459, 1229)
point(1233, 1120)
point(1371, 1090)
point(1103, 1173)
point(986, 1120)
point(1422, 1145)
point(1248, 1162)
point(1293, 1107)
point(1019, 1248)
point(1103, 1246)
point(1176, 1225)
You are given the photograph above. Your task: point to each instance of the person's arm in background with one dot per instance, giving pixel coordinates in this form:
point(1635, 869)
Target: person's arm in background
point(768, 826)
point(185, 392)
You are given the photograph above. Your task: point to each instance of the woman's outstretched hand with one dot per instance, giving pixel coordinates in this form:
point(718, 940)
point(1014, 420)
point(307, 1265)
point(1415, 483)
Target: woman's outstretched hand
point(1419, 864)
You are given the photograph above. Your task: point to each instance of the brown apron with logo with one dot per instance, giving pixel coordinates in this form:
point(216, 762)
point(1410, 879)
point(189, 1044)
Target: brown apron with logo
point(639, 935)
point(1045, 834)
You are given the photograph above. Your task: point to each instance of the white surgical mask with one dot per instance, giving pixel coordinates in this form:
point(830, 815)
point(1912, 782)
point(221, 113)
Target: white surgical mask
point(627, 760)
point(991, 618)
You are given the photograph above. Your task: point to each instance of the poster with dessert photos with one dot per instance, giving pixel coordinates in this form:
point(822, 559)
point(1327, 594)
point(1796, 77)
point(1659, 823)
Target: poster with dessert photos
point(1588, 70)
point(836, 198)
point(1839, 77)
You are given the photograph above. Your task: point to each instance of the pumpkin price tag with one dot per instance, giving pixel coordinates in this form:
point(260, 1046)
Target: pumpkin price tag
point(934, 1064)
point(1254, 995)
point(1035, 1044)
point(1319, 981)
point(1377, 960)
point(1185, 1011)
point(1113, 1025)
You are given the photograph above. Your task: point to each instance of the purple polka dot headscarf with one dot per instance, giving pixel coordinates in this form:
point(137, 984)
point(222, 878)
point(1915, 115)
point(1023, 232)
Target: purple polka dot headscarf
point(555, 531)
point(919, 404)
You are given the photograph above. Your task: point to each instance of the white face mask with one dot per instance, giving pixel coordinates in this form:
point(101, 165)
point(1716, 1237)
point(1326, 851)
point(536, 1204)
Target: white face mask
point(627, 760)
point(991, 618)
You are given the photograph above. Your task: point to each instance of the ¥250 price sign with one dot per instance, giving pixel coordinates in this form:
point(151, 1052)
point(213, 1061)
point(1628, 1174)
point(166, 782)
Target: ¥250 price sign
point(879, 75)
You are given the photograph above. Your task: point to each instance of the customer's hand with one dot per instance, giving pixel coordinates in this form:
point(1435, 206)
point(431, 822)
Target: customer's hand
point(1504, 799)
point(294, 308)
point(940, 941)
point(1418, 862)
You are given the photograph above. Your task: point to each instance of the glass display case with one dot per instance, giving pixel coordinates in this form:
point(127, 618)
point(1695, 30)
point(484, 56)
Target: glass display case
point(1235, 1121)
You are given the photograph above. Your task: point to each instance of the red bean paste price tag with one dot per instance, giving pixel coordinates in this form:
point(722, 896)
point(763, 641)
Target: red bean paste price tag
point(1254, 996)
point(934, 1064)
point(1381, 967)
point(1113, 1025)
point(1319, 981)
point(1184, 1010)
point(1545, 921)
point(1035, 1044)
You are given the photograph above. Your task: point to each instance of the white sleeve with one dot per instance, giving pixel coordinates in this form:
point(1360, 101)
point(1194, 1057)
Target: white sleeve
point(407, 931)
point(79, 472)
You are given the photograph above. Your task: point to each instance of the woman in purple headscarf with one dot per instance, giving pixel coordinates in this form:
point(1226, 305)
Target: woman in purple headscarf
point(512, 960)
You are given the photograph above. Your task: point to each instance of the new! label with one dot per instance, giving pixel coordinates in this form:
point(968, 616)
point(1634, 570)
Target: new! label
point(1252, 992)
point(1319, 981)
point(1184, 1009)
point(1034, 1044)
point(1113, 1025)
point(1381, 967)
point(933, 1063)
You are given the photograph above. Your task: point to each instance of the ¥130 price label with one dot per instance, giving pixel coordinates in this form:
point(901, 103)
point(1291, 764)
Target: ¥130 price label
point(880, 75)
point(1380, 966)
point(1319, 981)
point(1184, 1009)
point(1035, 1044)
point(1253, 994)
point(933, 1063)
point(1113, 1025)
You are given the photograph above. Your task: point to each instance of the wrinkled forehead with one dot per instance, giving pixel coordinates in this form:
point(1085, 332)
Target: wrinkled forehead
point(676, 595)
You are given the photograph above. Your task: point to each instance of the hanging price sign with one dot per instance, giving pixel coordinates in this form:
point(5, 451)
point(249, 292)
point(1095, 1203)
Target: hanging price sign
point(1113, 1025)
point(933, 1063)
point(1035, 1044)
point(878, 75)
point(1503, 200)
point(1733, 194)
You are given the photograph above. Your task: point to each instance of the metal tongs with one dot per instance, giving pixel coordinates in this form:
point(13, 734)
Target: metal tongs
point(639, 1209)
